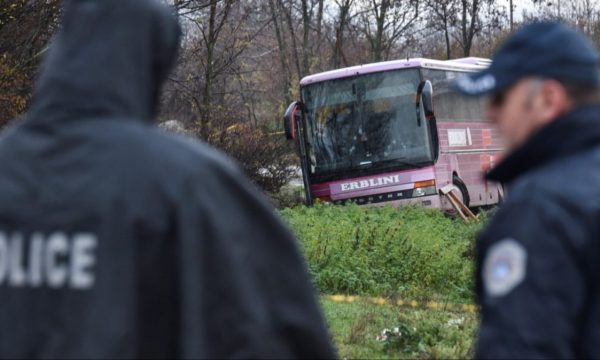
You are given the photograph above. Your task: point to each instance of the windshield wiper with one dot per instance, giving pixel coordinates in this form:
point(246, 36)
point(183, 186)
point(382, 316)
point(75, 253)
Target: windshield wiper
point(395, 162)
point(406, 163)
point(368, 164)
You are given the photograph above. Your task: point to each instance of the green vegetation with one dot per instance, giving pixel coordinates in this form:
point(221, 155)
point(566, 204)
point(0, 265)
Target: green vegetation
point(358, 331)
point(410, 253)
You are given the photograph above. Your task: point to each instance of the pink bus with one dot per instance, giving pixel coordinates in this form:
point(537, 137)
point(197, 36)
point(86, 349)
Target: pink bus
point(393, 132)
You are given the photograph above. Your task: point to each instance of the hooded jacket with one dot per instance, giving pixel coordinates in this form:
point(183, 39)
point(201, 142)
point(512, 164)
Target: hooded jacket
point(118, 240)
point(538, 268)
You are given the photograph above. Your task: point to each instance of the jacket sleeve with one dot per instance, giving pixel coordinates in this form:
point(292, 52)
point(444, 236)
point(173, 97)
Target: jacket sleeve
point(244, 288)
point(529, 281)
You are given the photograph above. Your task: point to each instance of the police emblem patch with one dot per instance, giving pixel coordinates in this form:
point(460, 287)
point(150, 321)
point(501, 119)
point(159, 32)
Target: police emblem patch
point(504, 267)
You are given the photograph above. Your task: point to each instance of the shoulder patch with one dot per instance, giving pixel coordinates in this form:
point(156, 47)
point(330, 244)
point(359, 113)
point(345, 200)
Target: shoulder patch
point(504, 267)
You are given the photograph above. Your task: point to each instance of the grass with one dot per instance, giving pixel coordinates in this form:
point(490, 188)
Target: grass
point(411, 253)
point(408, 253)
point(425, 334)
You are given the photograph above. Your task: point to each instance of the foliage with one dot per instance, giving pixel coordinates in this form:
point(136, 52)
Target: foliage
point(240, 61)
point(266, 160)
point(287, 196)
point(25, 28)
point(411, 252)
point(358, 332)
point(408, 253)
point(12, 102)
point(218, 91)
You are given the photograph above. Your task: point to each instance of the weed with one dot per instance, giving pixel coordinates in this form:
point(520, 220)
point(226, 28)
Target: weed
point(363, 330)
point(358, 330)
point(409, 252)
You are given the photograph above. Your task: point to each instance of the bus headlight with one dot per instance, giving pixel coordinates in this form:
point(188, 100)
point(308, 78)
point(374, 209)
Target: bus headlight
point(424, 188)
point(430, 190)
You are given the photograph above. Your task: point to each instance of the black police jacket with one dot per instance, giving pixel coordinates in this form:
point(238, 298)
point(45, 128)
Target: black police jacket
point(120, 241)
point(538, 267)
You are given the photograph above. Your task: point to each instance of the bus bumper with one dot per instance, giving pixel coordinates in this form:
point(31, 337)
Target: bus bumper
point(430, 201)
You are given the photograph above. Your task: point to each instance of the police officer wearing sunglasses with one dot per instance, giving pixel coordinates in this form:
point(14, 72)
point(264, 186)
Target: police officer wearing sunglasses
point(538, 260)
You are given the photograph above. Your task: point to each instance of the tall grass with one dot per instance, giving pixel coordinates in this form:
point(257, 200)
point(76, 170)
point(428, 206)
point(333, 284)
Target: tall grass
point(423, 334)
point(411, 252)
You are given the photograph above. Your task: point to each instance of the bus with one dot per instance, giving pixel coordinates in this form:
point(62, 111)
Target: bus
point(395, 133)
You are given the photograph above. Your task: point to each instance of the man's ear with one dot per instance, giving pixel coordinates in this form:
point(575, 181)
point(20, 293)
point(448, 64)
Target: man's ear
point(555, 101)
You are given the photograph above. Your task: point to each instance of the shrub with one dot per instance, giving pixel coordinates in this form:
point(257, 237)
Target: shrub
point(288, 196)
point(408, 252)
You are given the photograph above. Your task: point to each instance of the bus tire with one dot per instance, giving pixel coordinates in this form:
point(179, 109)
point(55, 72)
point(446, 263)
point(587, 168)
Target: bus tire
point(457, 181)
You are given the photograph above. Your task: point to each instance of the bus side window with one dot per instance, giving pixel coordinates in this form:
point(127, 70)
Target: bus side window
point(450, 105)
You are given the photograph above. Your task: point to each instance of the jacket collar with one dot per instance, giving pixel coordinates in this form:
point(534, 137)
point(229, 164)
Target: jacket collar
point(573, 132)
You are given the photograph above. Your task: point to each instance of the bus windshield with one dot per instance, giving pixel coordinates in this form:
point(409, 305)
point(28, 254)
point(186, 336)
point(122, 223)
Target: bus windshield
point(365, 121)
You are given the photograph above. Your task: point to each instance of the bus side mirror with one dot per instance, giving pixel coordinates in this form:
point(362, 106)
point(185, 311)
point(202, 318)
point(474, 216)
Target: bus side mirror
point(290, 117)
point(425, 98)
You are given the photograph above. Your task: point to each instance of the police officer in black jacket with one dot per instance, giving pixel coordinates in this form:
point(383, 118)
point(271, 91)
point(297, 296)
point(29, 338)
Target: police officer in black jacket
point(538, 259)
point(120, 241)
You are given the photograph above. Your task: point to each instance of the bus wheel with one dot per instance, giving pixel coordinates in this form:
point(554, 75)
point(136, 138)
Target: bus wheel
point(463, 189)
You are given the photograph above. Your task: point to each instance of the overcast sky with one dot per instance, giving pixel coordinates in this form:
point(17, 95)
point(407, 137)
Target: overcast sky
point(520, 6)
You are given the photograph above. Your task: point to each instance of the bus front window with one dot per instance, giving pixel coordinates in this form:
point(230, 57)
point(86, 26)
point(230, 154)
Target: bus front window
point(365, 121)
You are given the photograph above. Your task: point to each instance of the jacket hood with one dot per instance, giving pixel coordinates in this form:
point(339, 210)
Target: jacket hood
point(109, 58)
point(574, 132)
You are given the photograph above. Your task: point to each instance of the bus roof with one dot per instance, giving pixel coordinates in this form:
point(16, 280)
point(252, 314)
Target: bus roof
point(468, 64)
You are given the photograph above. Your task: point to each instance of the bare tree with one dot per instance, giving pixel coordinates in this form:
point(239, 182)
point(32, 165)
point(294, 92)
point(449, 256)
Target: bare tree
point(340, 25)
point(442, 16)
point(511, 10)
point(275, 11)
point(384, 22)
point(25, 30)
point(304, 17)
point(582, 14)
point(469, 24)
point(217, 36)
point(210, 35)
